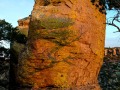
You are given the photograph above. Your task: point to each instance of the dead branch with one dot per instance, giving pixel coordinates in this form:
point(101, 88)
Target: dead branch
point(116, 18)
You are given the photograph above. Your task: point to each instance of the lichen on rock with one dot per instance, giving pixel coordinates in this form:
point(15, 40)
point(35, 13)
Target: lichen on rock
point(65, 46)
point(55, 22)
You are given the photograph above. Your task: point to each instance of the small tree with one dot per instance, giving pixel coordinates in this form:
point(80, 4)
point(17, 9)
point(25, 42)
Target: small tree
point(10, 33)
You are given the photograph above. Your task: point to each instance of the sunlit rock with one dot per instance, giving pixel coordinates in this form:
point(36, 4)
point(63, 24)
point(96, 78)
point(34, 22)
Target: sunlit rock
point(23, 25)
point(65, 46)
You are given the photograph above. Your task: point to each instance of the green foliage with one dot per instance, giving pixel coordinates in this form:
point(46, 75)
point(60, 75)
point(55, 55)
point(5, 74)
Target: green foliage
point(17, 47)
point(57, 36)
point(24, 32)
point(51, 23)
point(35, 24)
point(113, 4)
point(11, 34)
point(6, 51)
point(19, 37)
point(106, 4)
point(5, 30)
point(109, 77)
point(55, 23)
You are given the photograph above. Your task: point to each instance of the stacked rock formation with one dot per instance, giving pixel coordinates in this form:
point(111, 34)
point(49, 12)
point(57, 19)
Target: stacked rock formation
point(65, 46)
point(23, 25)
point(112, 51)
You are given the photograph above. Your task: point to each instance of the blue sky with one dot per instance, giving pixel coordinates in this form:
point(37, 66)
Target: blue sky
point(12, 10)
point(112, 38)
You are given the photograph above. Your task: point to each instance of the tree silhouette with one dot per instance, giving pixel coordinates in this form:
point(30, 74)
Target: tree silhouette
point(10, 33)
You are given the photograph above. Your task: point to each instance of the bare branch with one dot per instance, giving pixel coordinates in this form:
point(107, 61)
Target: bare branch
point(112, 24)
point(111, 21)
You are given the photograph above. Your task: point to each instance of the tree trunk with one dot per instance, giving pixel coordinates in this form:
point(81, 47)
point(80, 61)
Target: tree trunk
point(65, 46)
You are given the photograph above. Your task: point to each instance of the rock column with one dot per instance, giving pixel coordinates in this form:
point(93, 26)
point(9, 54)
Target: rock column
point(65, 46)
point(106, 52)
point(114, 51)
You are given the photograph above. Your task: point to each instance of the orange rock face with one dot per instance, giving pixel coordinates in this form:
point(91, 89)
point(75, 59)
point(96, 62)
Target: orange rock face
point(23, 25)
point(65, 46)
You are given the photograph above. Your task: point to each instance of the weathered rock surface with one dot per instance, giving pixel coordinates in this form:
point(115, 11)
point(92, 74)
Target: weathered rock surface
point(65, 46)
point(23, 25)
point(112, 51)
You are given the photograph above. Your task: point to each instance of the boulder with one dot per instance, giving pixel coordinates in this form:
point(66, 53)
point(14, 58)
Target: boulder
point(65, 46)
point(23, 25)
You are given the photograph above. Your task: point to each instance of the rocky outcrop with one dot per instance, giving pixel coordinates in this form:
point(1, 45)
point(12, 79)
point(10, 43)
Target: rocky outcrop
point(112, 51)
point(23, 25)
point(65, 46)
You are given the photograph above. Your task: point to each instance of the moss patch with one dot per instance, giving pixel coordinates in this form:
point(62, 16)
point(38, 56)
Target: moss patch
point(51, 23)
point(60, 37)
point(54, 23)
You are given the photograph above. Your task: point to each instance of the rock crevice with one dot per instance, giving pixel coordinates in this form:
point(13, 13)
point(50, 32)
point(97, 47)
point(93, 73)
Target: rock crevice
point(65, 45)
